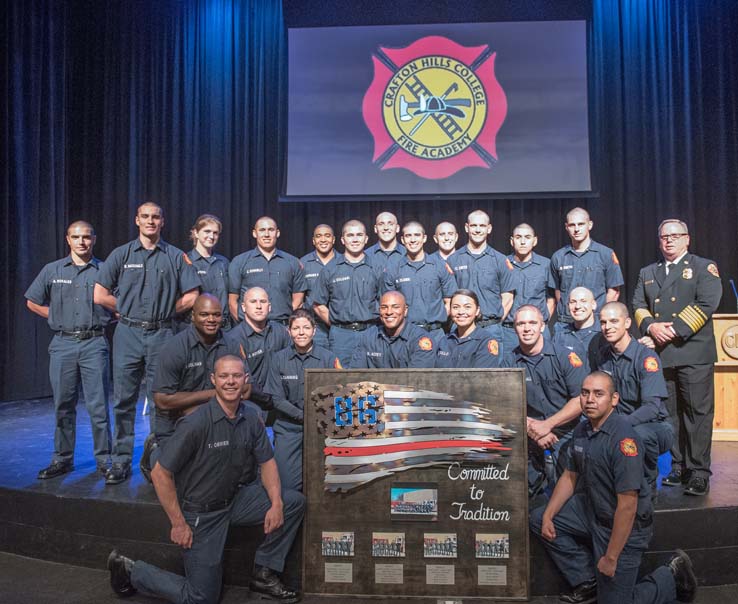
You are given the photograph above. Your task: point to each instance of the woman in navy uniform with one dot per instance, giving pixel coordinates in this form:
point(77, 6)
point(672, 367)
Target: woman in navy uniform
point(466, 345)
point(286, 380)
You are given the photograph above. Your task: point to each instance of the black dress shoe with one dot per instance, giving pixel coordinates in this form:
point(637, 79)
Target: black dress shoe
point(56, 468)
point(117, 473)
point(266, 582)
point(676, 478)
point(583, 593)
point(697, 485)
point(120, 574)
point(684, 577)
point(145, 465)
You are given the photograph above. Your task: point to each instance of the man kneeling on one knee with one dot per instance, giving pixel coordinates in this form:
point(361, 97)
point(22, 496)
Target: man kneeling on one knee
point(206, 481)
point(598, 521)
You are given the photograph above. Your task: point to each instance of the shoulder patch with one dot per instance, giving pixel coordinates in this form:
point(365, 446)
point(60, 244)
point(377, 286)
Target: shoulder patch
point(425, 343)
point(448, 268)
point(493, 347)
point(509, 264)
point(713, 270)
point(337, 364)
point(615, 259)
point(628, 447)
point(188, 261)
point(574, 359)
point(651, 364)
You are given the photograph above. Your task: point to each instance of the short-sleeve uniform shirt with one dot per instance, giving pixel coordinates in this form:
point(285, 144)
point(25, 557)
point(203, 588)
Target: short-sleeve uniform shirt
point(411, 348)
point(148, 283)
point(578, 340)
point(486, 274)
point(597, 268)
point(280, 276)
point(350, 290)
point(67, 289)
point(529, 279)
point(477, 350)
point(211, 454)
point(213, 275)
point(312, 268)
point(257, 347)
point(382, 260)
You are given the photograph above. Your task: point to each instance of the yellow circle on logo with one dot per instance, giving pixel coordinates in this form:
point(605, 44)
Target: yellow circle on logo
point(434, 107)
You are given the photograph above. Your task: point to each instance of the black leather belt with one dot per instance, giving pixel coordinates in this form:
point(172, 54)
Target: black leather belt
point(85, 334)
point(431, 326)
point(488, 321)
point(146, 325)
point(355, 326)
point(638, 523)
point(204, 508)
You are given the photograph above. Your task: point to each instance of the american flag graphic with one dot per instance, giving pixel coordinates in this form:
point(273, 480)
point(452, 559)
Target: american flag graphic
point(412, 429)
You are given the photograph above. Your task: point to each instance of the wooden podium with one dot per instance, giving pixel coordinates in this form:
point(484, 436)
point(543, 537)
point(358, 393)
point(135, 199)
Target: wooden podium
point(726, 377)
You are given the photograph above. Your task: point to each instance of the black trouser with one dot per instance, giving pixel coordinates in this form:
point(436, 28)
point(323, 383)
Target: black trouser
point(691, 406)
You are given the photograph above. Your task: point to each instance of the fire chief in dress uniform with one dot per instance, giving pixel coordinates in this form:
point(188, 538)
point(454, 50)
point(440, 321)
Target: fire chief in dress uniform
point(673, 303)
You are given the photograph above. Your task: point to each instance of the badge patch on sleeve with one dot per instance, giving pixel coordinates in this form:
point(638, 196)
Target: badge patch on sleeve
point(651, 364)
point(509, 264)
point(493, 347)
point(615, 259)
point(187, 260)
point(574, 359)
point(425, 344)
point(628, 447)
point(712, 269)
point(448, 268)
point(337, 364)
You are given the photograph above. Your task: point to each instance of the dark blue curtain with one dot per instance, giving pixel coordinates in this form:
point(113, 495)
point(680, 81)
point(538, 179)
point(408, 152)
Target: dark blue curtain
point(182, 101)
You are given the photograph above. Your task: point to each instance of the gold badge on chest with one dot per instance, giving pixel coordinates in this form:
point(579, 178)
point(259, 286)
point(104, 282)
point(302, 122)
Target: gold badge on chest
point(687, 273)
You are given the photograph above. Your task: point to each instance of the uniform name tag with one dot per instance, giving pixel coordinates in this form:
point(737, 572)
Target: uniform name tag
point(62, 281)
point(133, 266)
point(339, 279)
point(649, 282)
point(254, 270)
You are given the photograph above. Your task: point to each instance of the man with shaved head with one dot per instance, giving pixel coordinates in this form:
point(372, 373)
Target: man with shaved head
point(396, 343)
point(579, 334)
point(62, 294)
point(347, 293)
point(445, 237)
point(387, 251)
point(280, 274)
point(314, 262)
point(638, 376)
point(485, 271)
point(583, 262)
point(146, 282)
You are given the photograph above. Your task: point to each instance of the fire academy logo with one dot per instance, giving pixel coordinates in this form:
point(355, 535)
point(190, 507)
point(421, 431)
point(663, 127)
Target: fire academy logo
point(434, 107)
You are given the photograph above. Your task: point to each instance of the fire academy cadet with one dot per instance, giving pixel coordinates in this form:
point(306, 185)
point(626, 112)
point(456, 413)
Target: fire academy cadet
point(347, 293)
point(387, 251)
point(583, 263)
point(579, 334)
point(280, 274)
point(62, 293)
point(673, 303)
point(182, 380)
point(286, 380)
point(636, 371)
point(426, 285)
point(396, 343)
point(206, 481)
point(147, 281)
point(598, 521)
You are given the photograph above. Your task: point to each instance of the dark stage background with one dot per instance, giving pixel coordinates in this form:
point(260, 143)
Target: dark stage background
point(110, 103)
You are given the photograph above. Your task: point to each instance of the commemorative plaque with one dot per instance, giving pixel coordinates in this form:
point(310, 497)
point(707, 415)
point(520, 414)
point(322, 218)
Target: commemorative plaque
point(416, 483)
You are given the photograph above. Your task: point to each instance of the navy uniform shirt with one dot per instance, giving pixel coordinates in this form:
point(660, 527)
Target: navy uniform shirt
point(185, 364)
point(686, 297)
point(638, 379)
point(411, 348)
point(424, 284)
point(148, 283)
point(280, 276)
point(286, 376)
point(350, 291)
point(256, 348)
point(529, 280)
point(552, 378)
point(436, 257)
point(486, 274)
point(597, 268)
point(313, 267)
point(67, 289)
point(477, 350)
point(609, 461)
point(382, 260)
point(210, 455)
point(578, 340)
point(213, 274)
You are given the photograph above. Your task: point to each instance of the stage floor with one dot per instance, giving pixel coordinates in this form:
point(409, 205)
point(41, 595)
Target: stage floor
point(26, 446)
